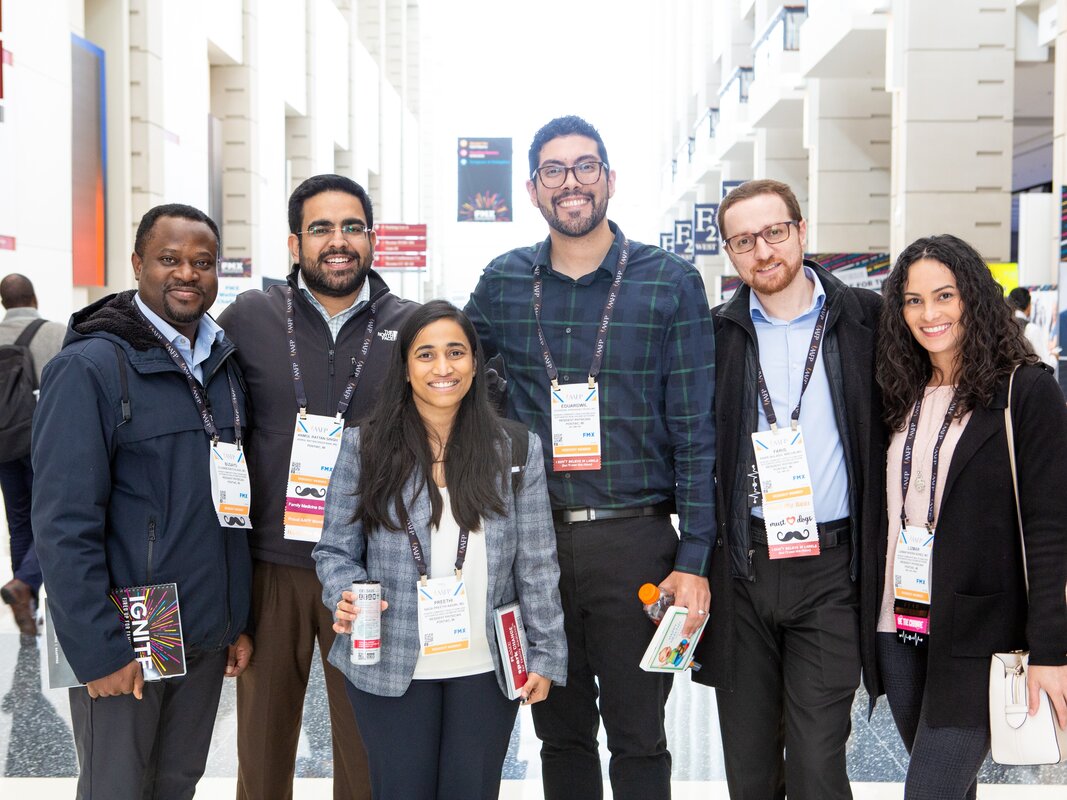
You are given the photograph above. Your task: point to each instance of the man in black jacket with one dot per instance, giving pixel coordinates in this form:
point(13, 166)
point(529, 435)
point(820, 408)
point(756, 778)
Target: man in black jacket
point(134, 410)
point(314, 353)
point(795, 380)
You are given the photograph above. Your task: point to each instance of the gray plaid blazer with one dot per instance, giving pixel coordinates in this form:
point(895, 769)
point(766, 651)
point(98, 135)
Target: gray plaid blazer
point(521, 549)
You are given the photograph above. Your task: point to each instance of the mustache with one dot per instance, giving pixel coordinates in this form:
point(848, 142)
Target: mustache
point(236, 521)
point(190, 287)
point(306, 491)
point(340, 251)
point(785, 536)
point(573, 193)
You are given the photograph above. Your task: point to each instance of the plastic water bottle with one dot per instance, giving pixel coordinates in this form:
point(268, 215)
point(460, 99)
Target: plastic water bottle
point(655, 600)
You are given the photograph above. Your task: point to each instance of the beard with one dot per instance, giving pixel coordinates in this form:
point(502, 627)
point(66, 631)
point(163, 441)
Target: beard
point(775, 283)
point(183, 314)
point(574, 226)
point(330, 283)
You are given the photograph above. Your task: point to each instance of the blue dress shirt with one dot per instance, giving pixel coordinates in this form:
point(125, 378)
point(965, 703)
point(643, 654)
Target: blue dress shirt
point(783, 349)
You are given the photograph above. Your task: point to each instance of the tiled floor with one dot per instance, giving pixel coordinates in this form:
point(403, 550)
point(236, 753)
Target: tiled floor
point(35, 743)
point(38, 761)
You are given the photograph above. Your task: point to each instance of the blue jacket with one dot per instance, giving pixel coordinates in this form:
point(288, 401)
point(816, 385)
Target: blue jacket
point(521, 548)
point(129, 503)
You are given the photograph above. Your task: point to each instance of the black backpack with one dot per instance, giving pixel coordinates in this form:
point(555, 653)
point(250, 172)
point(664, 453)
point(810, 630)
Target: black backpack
point(18, 381)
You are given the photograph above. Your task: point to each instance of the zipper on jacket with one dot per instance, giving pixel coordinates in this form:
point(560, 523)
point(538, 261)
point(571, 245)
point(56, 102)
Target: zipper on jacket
point(151, 546)
point(330, 354)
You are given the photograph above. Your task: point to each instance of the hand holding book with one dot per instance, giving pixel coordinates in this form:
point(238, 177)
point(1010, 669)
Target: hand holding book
point(535, 689)
point(126, 680)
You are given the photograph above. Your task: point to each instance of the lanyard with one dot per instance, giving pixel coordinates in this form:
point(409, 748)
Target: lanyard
point(809, 368)
point(420, 558)
point(199, 397)
point(605, 319)
point(909, 448)
point(298, 377)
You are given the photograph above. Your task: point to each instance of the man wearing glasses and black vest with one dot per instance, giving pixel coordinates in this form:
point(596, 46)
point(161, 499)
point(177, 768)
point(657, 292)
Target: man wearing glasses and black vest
point(314, 353)
point(801, 463)
point(609, 353)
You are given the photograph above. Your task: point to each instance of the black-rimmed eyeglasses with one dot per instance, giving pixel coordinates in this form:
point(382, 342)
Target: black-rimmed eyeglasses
point(772, 234)
point(555, 175)
point(349, 231)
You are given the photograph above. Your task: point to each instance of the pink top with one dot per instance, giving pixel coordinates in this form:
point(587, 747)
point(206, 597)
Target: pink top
point(935, 406)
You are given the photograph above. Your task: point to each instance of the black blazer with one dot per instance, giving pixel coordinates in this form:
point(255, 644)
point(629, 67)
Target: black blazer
point(978, 603)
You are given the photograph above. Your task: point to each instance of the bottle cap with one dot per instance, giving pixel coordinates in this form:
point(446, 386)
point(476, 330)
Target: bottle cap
point(648, 593)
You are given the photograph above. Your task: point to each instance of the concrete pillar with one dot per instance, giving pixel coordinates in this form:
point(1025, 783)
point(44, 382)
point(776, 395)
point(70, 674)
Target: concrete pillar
point(847, 132)
point(779, 153)
point(951, 70)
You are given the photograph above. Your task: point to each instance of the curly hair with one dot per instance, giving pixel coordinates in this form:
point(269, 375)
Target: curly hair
point(991, 344)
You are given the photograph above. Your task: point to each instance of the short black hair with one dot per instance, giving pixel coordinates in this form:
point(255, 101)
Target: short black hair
point(180, 210)
point(1019, 298)
point(16, 291)
point(564, 126)
point(317, 184)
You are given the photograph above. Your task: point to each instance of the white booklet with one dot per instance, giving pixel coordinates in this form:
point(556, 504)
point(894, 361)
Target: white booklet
point(669, 650)
point(511, 642)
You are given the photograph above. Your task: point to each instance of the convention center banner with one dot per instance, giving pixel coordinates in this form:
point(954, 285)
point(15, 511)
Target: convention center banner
point(88, 163)
point(683, 239)
point(728, 185)
point(1063, 225)
point(400, 246)
point(484, 180)
point(705, 229)
point(666, 241)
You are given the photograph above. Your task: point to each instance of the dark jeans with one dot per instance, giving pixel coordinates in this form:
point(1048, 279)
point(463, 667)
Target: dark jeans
point(944, 761)
point(150, 749)
point(786, 723)
point(16, 483)
point(440, 740)
point(602, 565)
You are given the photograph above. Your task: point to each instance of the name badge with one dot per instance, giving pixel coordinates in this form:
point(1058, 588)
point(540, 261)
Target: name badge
point(912, 563)
point(444, 615)
point(575, 427)
point(231, 491)
point(788, 499)
point(316, 443)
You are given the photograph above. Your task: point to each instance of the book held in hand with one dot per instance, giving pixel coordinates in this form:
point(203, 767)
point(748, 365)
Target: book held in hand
point(669, 650)
point(152, 620)
point(511, 642)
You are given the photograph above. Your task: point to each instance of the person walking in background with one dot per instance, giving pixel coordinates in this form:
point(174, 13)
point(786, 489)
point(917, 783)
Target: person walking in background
point(21, 321)
point(1021, 303)
point(422, 501)
point(948, 349)
point(610, 359)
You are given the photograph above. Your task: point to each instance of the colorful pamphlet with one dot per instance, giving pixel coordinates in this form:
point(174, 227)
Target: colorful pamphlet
point(669, 650)
point(152, 619)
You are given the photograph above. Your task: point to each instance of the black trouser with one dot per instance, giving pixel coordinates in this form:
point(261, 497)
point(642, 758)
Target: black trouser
point(602, 565)
point(797, 663)
point(440, 740)
point(16, 483)
point(944, 761)
point(149, 749)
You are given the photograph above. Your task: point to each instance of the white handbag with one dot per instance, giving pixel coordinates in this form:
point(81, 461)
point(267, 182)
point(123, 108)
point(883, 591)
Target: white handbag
point(1016, 737)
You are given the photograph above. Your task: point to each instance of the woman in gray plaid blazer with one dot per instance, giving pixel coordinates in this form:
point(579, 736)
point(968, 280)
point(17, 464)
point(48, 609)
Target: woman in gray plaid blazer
point(434, 453)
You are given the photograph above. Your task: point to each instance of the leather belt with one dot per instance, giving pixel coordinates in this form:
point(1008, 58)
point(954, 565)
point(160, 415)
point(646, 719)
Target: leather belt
point(567, 516)
point(831, 534)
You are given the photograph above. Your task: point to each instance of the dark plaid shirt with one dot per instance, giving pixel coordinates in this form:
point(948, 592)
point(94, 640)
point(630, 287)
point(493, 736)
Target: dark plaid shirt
point(657, 383)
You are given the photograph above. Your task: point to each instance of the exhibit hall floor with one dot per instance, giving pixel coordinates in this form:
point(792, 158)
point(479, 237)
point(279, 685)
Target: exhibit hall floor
point(37, 750)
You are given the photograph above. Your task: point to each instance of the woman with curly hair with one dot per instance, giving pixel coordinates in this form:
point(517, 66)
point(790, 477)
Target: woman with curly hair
point(953, 589)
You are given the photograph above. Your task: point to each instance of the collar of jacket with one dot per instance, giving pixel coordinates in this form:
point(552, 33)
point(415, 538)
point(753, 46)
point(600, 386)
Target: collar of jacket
point(736, 308)
point(115, 317)
point(378, 286)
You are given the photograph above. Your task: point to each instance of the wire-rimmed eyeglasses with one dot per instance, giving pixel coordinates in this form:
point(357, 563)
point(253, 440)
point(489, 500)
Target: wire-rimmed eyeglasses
point(555, 175)
point(772, 234)
point(352, 230)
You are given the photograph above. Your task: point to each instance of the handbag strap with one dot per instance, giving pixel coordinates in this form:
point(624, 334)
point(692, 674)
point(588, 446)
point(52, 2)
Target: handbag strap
point(1014, 477)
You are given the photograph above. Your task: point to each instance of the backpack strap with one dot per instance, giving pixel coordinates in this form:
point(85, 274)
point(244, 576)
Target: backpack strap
point(124, 383)
point(520, 451)
point(28, 333)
